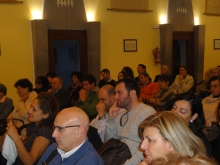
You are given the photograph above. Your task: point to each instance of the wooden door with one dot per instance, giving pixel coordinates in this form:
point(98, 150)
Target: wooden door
point(78, 35)
point(183, 52)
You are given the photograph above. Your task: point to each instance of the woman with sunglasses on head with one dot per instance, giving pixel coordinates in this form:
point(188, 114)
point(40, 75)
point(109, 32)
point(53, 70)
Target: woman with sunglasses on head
point(166, 133)
point(189, 107)
point(39, 134)
point(41, 84)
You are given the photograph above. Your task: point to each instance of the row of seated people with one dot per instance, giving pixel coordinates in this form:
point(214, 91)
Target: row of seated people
point(118, 109)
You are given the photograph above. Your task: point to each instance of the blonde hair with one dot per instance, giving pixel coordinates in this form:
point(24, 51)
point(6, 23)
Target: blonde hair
point(173, 159)
point(173, 129)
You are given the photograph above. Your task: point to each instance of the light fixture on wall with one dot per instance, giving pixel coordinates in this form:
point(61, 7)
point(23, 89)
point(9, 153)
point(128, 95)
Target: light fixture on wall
point(65, 3)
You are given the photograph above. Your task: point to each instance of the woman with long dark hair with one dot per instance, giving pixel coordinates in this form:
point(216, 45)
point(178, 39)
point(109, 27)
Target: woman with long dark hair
point(39, 134)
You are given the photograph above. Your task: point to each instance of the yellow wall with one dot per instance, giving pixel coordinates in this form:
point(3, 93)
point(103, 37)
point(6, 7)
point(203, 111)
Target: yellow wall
point(16, 50)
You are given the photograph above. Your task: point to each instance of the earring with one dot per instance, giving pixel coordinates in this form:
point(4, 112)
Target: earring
point(191, 121)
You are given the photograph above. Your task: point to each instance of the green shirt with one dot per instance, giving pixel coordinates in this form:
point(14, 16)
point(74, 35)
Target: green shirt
point(89, 105)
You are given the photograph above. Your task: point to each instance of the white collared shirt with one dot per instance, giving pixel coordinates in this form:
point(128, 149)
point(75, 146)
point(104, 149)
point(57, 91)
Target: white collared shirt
point(67, 154)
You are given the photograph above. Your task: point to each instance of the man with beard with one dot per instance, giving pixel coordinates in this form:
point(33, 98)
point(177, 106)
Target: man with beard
point(123, 123)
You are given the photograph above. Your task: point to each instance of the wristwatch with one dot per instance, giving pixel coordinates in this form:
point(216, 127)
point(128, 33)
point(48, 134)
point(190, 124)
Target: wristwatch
point(101, 117)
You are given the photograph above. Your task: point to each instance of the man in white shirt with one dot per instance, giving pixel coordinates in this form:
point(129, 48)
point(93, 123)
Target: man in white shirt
point(106, 96)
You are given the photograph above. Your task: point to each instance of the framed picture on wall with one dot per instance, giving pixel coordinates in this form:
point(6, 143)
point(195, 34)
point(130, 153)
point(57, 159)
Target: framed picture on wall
point(216, 44)
point(130, 45)
point(213, 7)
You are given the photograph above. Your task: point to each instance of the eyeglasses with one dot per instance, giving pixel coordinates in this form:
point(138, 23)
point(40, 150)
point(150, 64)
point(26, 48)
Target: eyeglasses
point(124, 119)
point(60, 129)
point(214, 86)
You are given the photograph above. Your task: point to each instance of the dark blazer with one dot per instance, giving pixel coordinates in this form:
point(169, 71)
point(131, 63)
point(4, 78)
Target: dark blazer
point(6, 108)
point(63, 97)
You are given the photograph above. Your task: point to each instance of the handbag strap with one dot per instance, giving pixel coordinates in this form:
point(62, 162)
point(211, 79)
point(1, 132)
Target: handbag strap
point(52, 155)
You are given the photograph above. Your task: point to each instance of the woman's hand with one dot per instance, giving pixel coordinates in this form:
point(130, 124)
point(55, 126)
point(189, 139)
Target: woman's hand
point(12, 132)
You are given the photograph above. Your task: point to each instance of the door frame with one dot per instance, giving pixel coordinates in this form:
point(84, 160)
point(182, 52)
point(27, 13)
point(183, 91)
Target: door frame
point(189, 36)
point(79, 35)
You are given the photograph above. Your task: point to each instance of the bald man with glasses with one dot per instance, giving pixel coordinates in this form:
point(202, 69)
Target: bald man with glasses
point(72, 146)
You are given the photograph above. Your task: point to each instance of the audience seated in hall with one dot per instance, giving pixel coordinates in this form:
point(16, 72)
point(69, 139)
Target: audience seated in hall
point(106, 78)
point(88, 96)
point(41, 84)
point(164, 71)
point(204, 89)
point(75, 87)
point(125, 117)
point(211, 102)
point(164, 95)
point(147, 87)
point(140, 69)
point(41, 115)
point(183, 81)
point(72, 146)
point(128, 71)
point(27, 95)
point(60, 93)
point(122, 75)
point(189, 107)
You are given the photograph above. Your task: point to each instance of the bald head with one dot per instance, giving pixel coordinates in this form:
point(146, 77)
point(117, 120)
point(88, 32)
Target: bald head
point(73, 115)
point(108, 88)
point(71, 127)
point(106, 95)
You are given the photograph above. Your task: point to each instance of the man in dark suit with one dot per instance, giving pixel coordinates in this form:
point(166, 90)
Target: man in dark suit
point(61, 94)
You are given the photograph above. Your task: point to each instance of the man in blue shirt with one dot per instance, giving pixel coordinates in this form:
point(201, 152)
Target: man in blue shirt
point(70, 133)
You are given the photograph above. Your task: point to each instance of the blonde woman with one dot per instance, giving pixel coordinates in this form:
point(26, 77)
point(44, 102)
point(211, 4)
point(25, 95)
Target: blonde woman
point(166, 132)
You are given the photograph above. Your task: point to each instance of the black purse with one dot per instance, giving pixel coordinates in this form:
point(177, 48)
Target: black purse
point(114, 152)
point(3, 125)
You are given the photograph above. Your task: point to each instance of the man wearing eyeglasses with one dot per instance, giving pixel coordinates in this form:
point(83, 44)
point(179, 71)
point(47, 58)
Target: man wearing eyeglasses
point(72, 147)
point(211, 103)
point(123, 124)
